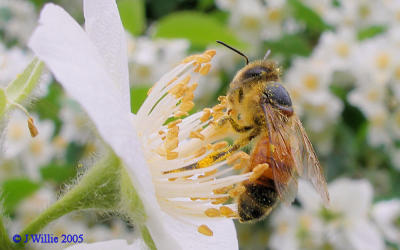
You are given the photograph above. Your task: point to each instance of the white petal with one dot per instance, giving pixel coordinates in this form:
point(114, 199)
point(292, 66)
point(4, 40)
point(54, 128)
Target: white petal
point(351, 197)
point(112, 244)
point(184, 231)
point(363, 235)
point(74, 60)
point(104, 27)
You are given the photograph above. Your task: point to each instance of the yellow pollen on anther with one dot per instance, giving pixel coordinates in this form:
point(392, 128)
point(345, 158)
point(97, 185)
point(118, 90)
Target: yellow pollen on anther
point(223, 190)
point(206, 115)
point(172, 140)
point(219, 145)
point(180, 113)
point(226, 211)
point(238, 190)
point(172, 155)
point(212, 212)
point(203, 229)
point(172, 179)
point(218, 107)
point(201, 151)
point(203, 58)
point(186, 106)
point(219, 200)
point(210, 52)
point(161, 132)
point(197, 68)
point(237, 156)
point(196, 134)
point(205, 69)
point(174, 123)
point(32, 129)
point(258, 171)
point(178, 90)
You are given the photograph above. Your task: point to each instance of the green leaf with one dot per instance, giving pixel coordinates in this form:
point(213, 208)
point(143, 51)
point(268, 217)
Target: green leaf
point(58, 173)
point(370, 32)
point(200, 29)
point(20, 88)
point(290, 45)
point(133, 16)
point(138, 95)
point(3, 101)
point(15, 190)
point(304, 14)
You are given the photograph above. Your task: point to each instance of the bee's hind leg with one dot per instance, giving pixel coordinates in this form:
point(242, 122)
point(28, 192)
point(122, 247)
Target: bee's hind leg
point(219, 155)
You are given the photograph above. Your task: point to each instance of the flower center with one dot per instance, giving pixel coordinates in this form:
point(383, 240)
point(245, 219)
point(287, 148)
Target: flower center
point(382, 60)
point(310, 81)
point(194, 173)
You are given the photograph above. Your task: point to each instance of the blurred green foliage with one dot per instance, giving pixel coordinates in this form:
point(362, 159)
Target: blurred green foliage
point(14, 191)
point(198, 28)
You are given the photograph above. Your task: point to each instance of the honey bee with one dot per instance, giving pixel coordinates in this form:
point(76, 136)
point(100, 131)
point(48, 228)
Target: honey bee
point(260, 111)
point(260, 108)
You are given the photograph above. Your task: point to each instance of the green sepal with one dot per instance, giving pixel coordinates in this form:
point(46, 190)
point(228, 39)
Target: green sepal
point(19, 89)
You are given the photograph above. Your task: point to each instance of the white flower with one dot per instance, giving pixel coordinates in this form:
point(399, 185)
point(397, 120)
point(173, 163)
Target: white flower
point(295, 228)
point(19, 21)
point(75, 124)
point(336, 48)
point(347, 224)
point(91, 64)
point(12, 62)
point(358, 14)
point(387, 216)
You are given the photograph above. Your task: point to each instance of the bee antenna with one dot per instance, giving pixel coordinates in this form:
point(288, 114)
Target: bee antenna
point(237, 51)
point(267, 54)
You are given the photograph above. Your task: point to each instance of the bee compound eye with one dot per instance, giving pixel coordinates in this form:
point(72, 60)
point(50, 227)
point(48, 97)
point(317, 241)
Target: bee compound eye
point(255, 72)
point(277, 95)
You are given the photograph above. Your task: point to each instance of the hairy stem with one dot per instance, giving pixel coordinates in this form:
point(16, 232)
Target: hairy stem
point(99, 188)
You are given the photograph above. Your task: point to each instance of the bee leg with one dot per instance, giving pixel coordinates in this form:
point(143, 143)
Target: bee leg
point(220, 155)
point(235, 126)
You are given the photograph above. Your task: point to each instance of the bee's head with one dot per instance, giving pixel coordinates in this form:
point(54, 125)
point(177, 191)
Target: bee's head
point(276, 95)
point(257, 70)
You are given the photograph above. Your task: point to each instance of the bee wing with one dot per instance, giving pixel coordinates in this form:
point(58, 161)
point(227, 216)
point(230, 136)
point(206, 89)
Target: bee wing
point(305, 159)
point(285, 176)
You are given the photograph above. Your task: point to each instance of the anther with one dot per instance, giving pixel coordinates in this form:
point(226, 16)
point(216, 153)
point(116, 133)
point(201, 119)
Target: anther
point(238, 190)
point(220, 200)
point(31, 125)
point(203, 229)
point(258, 171)
point(223, 190)
point(174, 123)
point(212, 212)
point(226, 211)
point(201, 151)
point(32, 129)
point(172, 155)
point(206, 115)
point(205, 69)
point(196, 134)
point(220, 145)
